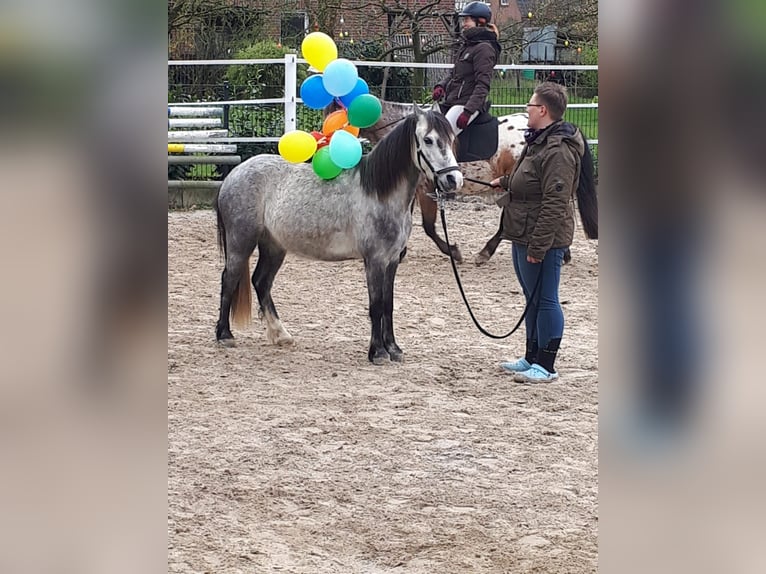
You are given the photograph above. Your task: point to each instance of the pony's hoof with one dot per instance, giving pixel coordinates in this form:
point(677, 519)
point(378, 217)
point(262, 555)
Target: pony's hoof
point(397, 356)
point(280, 339)
point(394, 352)
point(379, 357)
point(480, 259)
point(457, 255)
point(228, 342)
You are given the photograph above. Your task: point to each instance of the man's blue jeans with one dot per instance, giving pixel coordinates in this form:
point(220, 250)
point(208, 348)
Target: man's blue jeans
point(545, 318)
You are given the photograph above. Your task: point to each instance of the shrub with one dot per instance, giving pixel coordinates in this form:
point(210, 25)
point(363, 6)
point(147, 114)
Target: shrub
point(589, 78)
point(260, 80)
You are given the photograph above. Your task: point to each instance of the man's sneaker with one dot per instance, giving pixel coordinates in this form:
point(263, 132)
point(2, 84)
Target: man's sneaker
point(514, 367)
point(535, 374)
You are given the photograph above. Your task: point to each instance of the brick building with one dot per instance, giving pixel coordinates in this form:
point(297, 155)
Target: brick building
point(371, 22)
point(287, 21)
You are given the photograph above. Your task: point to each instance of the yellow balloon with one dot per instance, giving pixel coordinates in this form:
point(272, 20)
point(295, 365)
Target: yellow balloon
point(297, 146)
point(319, 50)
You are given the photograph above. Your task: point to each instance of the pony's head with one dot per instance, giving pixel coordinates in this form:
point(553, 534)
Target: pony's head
point(434, 152)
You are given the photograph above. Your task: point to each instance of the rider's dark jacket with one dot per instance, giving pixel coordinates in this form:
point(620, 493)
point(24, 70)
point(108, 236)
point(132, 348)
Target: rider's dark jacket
point(468, 82)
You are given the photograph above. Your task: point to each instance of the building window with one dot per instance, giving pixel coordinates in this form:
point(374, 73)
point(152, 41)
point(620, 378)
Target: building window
point(293, 29)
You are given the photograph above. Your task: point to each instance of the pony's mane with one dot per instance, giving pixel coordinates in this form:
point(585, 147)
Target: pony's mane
point(384, 168)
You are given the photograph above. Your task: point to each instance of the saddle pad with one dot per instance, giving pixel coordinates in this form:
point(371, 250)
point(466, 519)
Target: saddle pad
point(479, 140)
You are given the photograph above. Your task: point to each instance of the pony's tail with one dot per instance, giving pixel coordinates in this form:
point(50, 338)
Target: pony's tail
point(242, 302)
point(221, 228)
point(587, 199)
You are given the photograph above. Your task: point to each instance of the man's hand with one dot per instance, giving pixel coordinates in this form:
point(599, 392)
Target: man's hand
point(438, 93)
point(531, 259)
point(462, 120)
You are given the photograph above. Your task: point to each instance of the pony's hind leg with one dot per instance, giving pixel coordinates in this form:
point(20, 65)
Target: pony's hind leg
point(270, 259)
point(235, 288)
point(489, 249)
point(235, 296)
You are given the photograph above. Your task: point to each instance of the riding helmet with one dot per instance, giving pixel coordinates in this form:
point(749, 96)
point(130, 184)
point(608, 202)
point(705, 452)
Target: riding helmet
point(479, 11)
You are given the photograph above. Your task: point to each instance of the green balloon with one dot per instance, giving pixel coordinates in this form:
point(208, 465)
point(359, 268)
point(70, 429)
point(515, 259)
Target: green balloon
point(364, 111)
point(323, 165)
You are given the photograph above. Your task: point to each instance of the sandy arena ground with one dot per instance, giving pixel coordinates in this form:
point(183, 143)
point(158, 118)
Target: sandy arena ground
point(308, 459)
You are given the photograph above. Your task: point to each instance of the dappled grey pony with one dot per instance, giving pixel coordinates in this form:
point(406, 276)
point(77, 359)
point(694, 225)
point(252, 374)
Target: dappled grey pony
point(365, 213)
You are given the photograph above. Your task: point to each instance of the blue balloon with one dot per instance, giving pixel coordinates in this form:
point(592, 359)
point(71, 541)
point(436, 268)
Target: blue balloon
point(360, 89)
point(345, 149)
point(313, 93)
point(339, 77)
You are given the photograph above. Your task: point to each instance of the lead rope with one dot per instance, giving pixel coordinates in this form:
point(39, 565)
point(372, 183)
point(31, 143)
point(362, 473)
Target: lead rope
point(440, 200)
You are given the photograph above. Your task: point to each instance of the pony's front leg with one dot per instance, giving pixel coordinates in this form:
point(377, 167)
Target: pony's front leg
point(375, 271)
point(394, 352)
point(428, 210)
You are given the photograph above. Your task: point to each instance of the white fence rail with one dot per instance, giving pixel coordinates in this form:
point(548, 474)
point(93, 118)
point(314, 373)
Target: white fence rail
point(291, 96)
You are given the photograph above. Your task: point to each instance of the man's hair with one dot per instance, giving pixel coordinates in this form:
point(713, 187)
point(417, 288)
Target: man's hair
point(554, 96)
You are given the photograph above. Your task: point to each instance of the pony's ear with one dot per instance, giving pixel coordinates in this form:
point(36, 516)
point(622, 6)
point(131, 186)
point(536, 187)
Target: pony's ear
point(435, 108)
point(418, 111)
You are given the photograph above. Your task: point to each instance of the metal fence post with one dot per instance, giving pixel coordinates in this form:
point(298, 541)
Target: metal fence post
point(291, 75)
point(226, 95)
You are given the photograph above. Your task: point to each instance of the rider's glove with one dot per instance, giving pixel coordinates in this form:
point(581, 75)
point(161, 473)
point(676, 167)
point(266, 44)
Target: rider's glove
point(463, 119)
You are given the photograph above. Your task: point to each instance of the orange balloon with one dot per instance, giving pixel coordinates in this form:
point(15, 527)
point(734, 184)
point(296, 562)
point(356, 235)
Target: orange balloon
point(335, 121)
point(353, 130)
point(338, 120)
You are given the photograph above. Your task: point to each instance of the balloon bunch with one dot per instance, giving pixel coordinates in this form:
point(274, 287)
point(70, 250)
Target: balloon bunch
point(336, 147)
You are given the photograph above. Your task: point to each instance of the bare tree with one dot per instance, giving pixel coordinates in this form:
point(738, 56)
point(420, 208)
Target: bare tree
point(190, 13)
point(207, 29)
point(323, 15)
point(414, 22)
point(213, 22)
point(576, 20)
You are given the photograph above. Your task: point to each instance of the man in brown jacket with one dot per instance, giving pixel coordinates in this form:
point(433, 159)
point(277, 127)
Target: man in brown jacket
point(538, 218)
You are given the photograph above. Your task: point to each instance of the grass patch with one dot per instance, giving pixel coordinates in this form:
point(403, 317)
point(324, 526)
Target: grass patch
point(507, 92)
